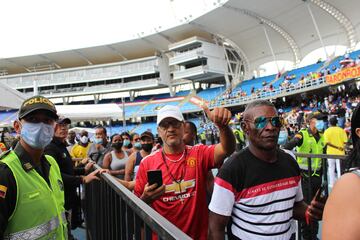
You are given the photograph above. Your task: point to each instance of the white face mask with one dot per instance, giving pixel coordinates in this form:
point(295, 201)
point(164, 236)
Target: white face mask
point(84, 139)
point(37, 135)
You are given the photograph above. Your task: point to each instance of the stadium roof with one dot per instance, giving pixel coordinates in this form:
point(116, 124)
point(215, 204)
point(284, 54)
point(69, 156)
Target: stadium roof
point(288, 24)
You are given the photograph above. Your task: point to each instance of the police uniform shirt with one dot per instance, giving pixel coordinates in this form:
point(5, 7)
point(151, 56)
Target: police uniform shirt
point(297, 140)
point(57, 149)
point(8, 183)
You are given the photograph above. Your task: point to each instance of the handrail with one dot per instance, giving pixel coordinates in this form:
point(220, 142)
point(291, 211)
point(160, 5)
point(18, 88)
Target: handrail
point(320, 82)
point(143, 212)
point(311, 155)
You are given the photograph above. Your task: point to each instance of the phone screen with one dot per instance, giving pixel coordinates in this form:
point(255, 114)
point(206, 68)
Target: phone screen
point(155, 176)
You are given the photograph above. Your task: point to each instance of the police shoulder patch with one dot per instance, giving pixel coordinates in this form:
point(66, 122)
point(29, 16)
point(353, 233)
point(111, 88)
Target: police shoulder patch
point(299, 136)
point(3, 190)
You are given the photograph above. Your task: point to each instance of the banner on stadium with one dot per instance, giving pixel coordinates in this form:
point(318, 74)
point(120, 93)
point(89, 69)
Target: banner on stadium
point(345, 74)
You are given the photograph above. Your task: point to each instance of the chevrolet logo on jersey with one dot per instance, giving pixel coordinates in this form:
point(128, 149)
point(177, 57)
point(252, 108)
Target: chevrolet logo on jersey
point(180, 187)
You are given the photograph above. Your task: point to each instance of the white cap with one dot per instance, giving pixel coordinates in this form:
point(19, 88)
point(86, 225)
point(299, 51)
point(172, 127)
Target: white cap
point(169, 111)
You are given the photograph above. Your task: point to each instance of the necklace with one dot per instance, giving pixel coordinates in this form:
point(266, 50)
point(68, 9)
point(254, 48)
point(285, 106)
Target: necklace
point(168, 170)
point(175, 160)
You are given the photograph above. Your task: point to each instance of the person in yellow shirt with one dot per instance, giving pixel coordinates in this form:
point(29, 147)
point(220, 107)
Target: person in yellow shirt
point(81, 148)
point(335, 139)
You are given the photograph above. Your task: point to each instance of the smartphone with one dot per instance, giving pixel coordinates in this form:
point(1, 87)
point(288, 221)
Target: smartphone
point(155, 176)
point(321, 194)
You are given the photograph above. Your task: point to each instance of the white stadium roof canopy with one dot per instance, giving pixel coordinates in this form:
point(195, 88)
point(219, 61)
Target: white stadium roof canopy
point(287, 22)
point(90, 111)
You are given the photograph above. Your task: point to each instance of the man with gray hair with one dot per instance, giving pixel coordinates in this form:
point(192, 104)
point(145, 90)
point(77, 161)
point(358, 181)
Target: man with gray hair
point(182, 197)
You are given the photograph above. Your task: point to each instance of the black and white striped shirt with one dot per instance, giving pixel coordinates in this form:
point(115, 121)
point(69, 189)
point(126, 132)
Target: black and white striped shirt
point(259, 196)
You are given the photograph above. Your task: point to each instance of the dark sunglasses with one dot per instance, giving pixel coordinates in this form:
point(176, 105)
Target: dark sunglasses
point(261, 122)
point(166, 124)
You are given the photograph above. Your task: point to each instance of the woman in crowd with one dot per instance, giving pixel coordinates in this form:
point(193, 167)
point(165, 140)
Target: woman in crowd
point(342, 210)
point(127, 145)
point(116, 160)
point(136, 142)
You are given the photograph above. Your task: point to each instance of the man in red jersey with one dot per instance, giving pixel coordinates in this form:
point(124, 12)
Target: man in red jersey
point(182, 197)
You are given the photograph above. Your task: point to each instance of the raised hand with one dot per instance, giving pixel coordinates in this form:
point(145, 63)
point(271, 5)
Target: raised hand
point(219, 116)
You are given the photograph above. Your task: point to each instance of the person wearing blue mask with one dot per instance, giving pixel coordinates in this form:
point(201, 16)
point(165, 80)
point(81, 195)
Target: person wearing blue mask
point(283, 137)
point(100, 146)
point(31, 186)
point(135, 142)
point(310, 140)
point(127, 145)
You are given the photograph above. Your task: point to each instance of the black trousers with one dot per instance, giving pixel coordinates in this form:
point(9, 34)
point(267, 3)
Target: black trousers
point(310, 231)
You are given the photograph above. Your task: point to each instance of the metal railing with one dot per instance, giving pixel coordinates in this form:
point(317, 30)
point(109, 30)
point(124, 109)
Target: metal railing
point(278, 92)
point(113, 212)
point(324, 157)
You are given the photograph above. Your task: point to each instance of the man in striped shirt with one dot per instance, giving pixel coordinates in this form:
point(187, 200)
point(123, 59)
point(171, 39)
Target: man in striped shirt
point(260, 186)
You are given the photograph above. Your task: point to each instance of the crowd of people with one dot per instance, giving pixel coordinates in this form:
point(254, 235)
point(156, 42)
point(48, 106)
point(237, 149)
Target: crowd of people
point(260, 188)
point(288, 81)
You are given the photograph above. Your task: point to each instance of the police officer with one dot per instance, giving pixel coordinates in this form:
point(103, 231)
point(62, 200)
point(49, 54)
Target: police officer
point(202, 137)
point(239, 137)
point(72, 177)
point(310, 140)
point(31, 187)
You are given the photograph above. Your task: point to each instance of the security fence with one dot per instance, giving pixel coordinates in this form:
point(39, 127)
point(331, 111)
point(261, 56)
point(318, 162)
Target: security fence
point(113, 212)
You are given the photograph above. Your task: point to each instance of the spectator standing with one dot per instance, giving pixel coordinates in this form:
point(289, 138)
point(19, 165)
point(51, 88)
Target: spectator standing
point(335, 139)
point(292, 118)
point(71, 140)
point(190, 133)
point(147, 143)
point(283, 136)
point(31, 187)
point(340, 111)
point(136, 142)
point(181, 199)
point(116, 159)
point(100, 146)
point(127, 145)
point(260, 186)
point(80, 149)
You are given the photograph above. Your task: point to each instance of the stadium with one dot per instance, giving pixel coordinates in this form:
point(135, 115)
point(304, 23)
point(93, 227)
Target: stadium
point(299, 55)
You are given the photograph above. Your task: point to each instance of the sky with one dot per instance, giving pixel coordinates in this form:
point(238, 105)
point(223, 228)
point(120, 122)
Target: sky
point(42, 26)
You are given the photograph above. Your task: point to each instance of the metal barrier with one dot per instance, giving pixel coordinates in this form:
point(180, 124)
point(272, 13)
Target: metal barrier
point(113, 212)
point(324, 157)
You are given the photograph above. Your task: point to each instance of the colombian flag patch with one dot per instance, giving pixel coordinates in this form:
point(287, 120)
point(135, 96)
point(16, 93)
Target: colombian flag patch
point(3, 190)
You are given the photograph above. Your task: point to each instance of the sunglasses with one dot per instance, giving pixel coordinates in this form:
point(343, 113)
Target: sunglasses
point(261, 122)
point(166, 124)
